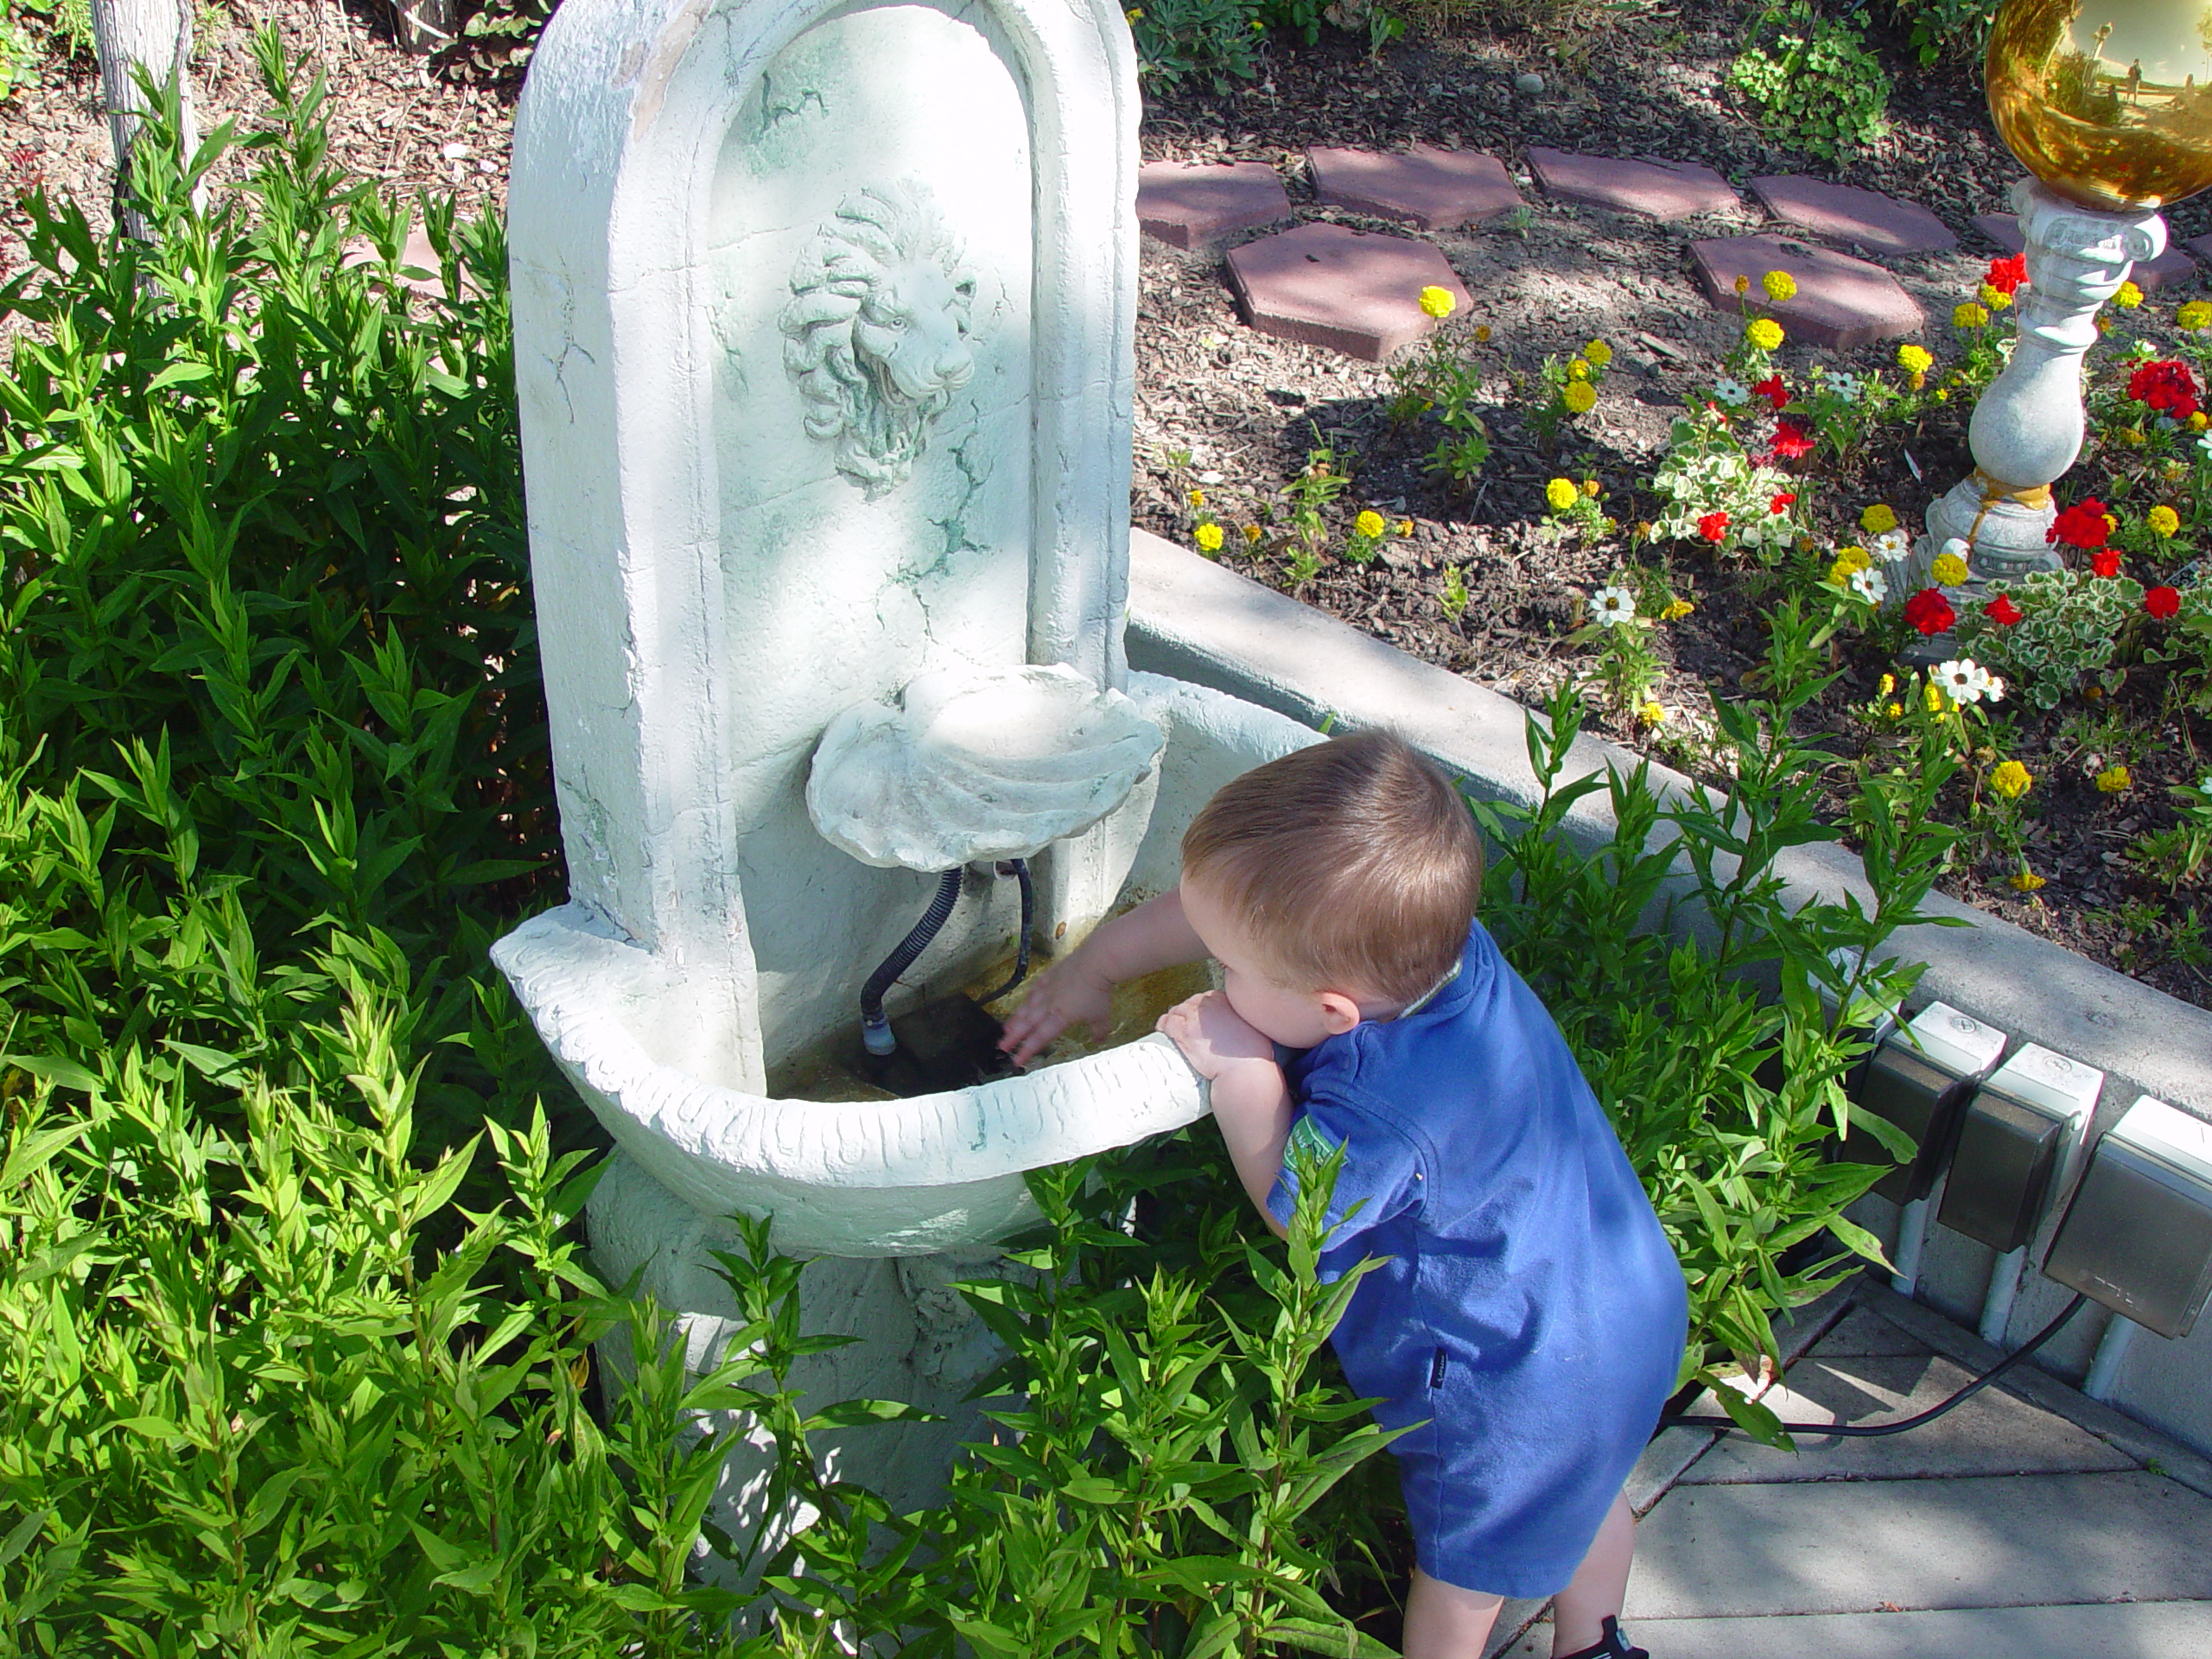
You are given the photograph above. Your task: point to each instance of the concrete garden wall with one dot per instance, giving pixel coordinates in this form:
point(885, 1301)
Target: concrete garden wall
point(1196, 621)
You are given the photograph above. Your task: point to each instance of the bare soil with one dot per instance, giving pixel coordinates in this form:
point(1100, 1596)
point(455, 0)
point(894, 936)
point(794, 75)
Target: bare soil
point(1223, 409)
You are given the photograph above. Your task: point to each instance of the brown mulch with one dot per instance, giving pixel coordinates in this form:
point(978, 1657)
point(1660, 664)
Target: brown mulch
point(1235, 413)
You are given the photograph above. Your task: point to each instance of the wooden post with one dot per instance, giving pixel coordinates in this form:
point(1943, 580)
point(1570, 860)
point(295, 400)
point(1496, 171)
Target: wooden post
point(424, 25)
point(156, 33)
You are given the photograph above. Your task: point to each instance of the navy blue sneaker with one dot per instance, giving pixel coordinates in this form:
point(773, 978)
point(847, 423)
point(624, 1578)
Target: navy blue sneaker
point(1614, 1646)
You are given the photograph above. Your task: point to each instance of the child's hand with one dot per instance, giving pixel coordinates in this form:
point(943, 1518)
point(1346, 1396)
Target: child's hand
point(1213, 1035)
point(1064, 994)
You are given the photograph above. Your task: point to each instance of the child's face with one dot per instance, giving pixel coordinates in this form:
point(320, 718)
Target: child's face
point(1293, 1018)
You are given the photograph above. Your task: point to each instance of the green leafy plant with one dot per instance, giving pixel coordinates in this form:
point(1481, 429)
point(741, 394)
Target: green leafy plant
point(1811, 81)
point(1312, 492)
point(1214, 40)
point(1940, 29)
point(2071, 627)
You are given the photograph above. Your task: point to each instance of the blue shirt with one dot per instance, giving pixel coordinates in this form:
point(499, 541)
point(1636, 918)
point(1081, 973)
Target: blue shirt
point(1526, 1274)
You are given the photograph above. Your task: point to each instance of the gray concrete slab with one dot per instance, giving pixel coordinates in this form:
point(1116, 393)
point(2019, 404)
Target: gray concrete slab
point(1993, 1434)
point(2138, 1629)
point(1862, 1334)
point(1800, 1547)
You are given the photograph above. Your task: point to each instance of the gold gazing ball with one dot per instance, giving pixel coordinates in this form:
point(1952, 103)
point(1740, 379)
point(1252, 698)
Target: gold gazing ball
point(2108, 102)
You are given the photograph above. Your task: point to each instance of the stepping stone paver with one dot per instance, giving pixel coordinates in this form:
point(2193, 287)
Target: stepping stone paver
point(1840, 301)
point(1657, 189)
point(1431, 188)
point(2027, 1440)
point(2149, 275)
point(1837, 212)
point(2138, 1629)
point(1188, 204)
point(2011, 1541)
point(1353, 291)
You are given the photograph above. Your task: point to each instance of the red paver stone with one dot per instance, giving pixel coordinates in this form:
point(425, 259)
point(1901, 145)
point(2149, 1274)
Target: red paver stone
point(1837, 212)
point(1840, 302)
point(1659, 189)
point(1186, 204)
point(1434, 189)
point(2149, 275)
point(1353, 291)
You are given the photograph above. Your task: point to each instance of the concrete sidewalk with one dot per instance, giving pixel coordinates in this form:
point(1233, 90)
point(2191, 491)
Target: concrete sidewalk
point(2030, 1523)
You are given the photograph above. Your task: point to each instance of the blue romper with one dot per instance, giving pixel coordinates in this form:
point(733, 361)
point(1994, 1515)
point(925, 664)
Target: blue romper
point(1531, 1313)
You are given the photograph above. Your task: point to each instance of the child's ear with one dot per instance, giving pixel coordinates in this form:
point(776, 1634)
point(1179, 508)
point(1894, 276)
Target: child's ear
point(1340, 1013)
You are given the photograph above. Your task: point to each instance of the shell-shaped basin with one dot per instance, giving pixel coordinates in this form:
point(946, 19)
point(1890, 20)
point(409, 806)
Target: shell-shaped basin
point(975, 765)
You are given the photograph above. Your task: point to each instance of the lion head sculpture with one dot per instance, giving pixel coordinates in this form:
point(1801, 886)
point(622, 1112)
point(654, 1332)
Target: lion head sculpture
point(876, 331)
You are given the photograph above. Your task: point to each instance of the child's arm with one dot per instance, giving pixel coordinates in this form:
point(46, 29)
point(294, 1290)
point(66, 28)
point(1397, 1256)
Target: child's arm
point(1079, 989)
point(1251, 1100)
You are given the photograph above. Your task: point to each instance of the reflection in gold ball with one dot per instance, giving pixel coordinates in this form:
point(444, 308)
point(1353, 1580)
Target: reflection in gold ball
point(2108, 102)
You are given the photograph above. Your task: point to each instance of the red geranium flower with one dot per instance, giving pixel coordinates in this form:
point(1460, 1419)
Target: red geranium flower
point(2162, 602)
point(1791, 440)
point(2082, 525)
point(1783, 502)
point(1771, 389)
point(1713, 526)
point(2167, 386)
point(2008, 276)
point(1930, 611)
point(2002, 611)
point(2105, 562)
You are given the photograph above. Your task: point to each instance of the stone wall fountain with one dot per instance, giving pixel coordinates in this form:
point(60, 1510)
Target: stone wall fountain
point(824, 322)
point(2108, 105)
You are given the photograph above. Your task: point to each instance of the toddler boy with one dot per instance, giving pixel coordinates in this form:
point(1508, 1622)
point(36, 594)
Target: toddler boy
point(1530, 1315)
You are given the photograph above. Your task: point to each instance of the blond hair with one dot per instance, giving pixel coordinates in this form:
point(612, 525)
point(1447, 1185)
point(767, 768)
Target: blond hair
point(1354, 864)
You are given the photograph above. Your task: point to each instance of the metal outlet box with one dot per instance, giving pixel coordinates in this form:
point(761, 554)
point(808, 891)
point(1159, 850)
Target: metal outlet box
point(2016, 1144)
point(1919, 1080)
point(2138, 1236)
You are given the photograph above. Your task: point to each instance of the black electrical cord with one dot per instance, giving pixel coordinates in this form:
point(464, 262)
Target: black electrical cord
point(1874, 1431)
point(875, 1030)
point(1019, 869)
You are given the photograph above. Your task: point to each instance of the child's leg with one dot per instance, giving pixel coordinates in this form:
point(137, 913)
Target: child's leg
point(1444, 1622)
point(1599, 1588)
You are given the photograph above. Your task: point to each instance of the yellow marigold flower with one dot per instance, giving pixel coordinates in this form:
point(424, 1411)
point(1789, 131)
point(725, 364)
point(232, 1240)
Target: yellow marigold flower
point(1764, 333)
point(1889, 683)
point(1914, 360)
point(1848, 559)
point(1780, 285)
point(1253, 533)
point(1943, 394)
point(1932, 695)
point(2026, 881)
point(1949, 570)
point(1208, 537)
point(1405, 526)
point(1877, 519)
point(1438, 302)
point(1590, 488)
point(2112, 779)
point(1743, 284)
point(1580, 396)
point(1134, 13)
point(1561, 494)
point(1370, 525)
point(1578, 370)
point(1482, 334)
point(1968, 315)
point(2163, 521)
point(1197, 498)
point(2199, 421)
point(2011, 780)
point(1995, 298)
point(2131, 436)
point(1895, 711)
point(1651, 714)
point(1676, 610)
point(1839, 574)
point(2195, 316)
point(1598, 352)
point(2129, 296)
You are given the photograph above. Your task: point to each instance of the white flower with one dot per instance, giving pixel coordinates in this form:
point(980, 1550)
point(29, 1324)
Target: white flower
point(2205, 783)
point(1962, 680)
point(1870, 585)
point(2204, 443)
point(1731, 392)
point(1844, 385)
point(1993, 685)
point(1612, 605)
point(1891, 545)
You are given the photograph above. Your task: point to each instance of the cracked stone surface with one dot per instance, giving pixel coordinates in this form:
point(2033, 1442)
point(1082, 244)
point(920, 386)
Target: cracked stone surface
point(1840, 301)
point(1188, 204)
point(1430, 189)
point(1838, 213)
point(1657, 189)
point(1353, 291)
point(2169, 268)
